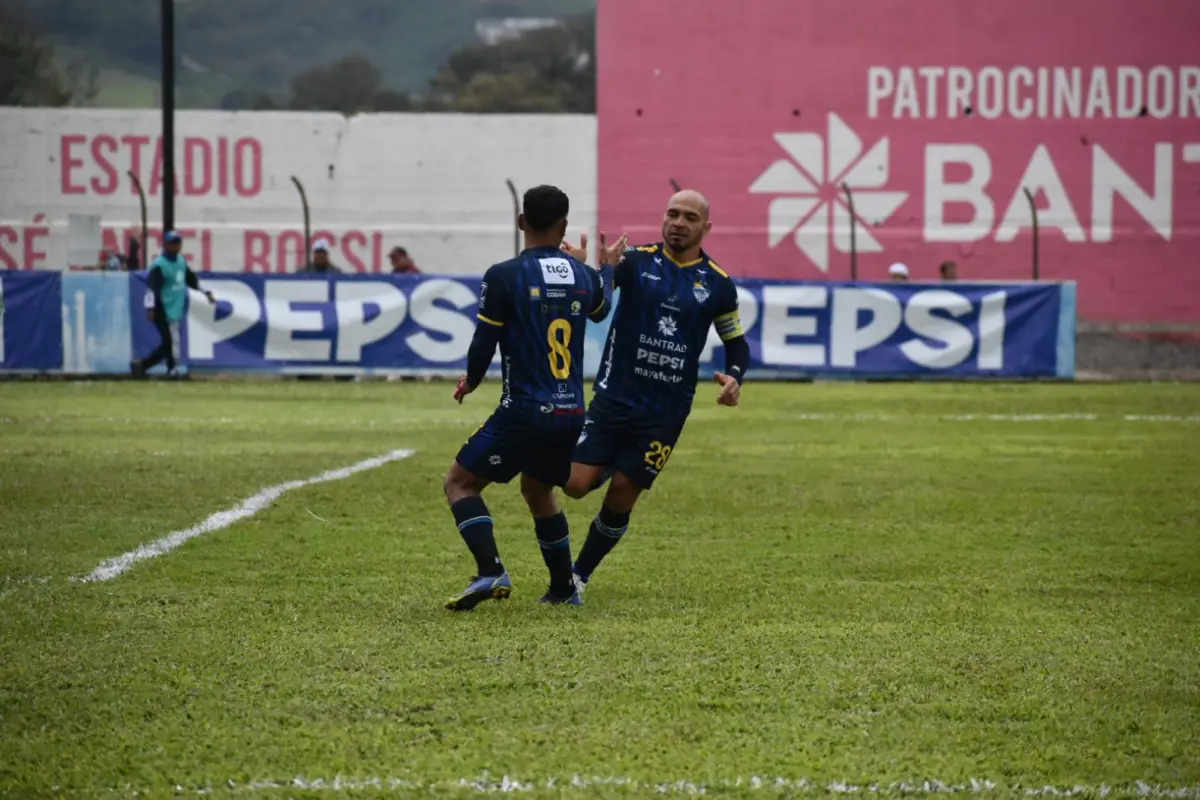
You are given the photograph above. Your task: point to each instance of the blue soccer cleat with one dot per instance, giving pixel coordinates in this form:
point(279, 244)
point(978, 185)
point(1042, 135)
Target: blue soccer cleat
point(486, 588)
point(575, 599)
point(580, 583)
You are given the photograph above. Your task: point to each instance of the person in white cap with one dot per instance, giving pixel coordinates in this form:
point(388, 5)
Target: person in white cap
point(321, 264)
point(898, 272)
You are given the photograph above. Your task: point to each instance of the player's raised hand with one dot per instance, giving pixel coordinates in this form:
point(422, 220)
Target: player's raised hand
point(462, 390)
point(579, 253)
point(731, 390)
point(612, 256)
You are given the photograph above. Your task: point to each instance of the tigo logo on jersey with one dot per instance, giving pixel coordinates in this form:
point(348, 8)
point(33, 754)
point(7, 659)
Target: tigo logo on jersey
point(557, 271)
point(818, 169)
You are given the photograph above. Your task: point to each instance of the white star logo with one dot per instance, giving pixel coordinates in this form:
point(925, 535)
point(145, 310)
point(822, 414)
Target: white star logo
point(811, 201)
point(667, 326)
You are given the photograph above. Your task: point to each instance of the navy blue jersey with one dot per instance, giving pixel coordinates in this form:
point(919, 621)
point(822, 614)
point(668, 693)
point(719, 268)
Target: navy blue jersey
point(541, 300)
point(651, 360)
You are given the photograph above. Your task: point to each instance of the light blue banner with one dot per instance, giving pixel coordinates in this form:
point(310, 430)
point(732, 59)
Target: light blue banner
point(96, 322)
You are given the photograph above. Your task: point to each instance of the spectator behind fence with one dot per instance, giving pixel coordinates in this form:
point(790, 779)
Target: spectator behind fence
point(109, 261)
point(402, 264)
point(898, 272)
point(321, 265)
point(949, 271)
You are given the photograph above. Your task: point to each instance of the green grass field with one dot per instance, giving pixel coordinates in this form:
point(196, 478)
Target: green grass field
point(832, 584)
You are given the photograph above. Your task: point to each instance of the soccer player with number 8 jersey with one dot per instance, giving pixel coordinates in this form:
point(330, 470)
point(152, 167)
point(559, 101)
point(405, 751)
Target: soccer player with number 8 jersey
point(535, 308)
point(672, 293)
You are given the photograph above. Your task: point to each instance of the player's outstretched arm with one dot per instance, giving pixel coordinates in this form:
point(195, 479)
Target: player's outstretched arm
point(737, 350)
point(737, 359)
point(616, 256)
point(479, 358)
point(610, 258)
point(579, 252)
point(493, 313)
point(603, 287)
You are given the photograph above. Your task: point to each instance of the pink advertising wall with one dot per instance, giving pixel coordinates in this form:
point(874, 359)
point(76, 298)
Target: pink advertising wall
point(936, 113)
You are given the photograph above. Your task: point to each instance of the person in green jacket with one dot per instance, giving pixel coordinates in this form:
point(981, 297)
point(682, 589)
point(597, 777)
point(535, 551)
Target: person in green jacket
point(169, 277)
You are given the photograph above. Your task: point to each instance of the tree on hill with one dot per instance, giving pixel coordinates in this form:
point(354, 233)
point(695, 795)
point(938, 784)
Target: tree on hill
point(548, 70)
point(263, 44)
point(349, 85)
point(545, 71)
point(29, 73)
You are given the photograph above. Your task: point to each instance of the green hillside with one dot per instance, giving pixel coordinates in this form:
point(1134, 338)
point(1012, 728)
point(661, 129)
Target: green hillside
point(226, 45)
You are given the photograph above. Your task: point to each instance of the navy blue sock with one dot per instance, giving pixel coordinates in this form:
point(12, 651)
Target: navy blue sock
point(607, 529)
point(554, 537)
point(475, 526)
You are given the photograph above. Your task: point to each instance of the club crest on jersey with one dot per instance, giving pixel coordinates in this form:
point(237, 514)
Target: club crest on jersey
point(700, 291)
point(576, 306)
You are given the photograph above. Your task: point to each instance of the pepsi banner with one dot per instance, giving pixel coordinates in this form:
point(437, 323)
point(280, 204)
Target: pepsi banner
point(422, 325)
point(907, 330)
point(315, 324)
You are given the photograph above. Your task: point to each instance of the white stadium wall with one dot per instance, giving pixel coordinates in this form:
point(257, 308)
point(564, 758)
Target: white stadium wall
point(432, 183)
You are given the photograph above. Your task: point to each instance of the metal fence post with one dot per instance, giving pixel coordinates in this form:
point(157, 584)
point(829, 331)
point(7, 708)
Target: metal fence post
point(142, 199)
point(853, 234)
point(307, 222)
point(512, 190)
point(1036, 233)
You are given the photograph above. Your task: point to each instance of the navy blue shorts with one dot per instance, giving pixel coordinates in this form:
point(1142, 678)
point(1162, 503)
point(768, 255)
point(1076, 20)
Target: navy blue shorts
point(626, 439)
point(503, 447)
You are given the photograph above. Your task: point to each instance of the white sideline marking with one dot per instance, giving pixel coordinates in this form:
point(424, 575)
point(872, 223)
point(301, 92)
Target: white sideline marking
point(488, 784)
point(370, 423)
point(1017, 417)
point(867, 417)
point(114, 567)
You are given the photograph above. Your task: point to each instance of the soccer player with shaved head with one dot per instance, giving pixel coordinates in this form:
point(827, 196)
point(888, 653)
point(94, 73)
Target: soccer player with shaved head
point(672, 293)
